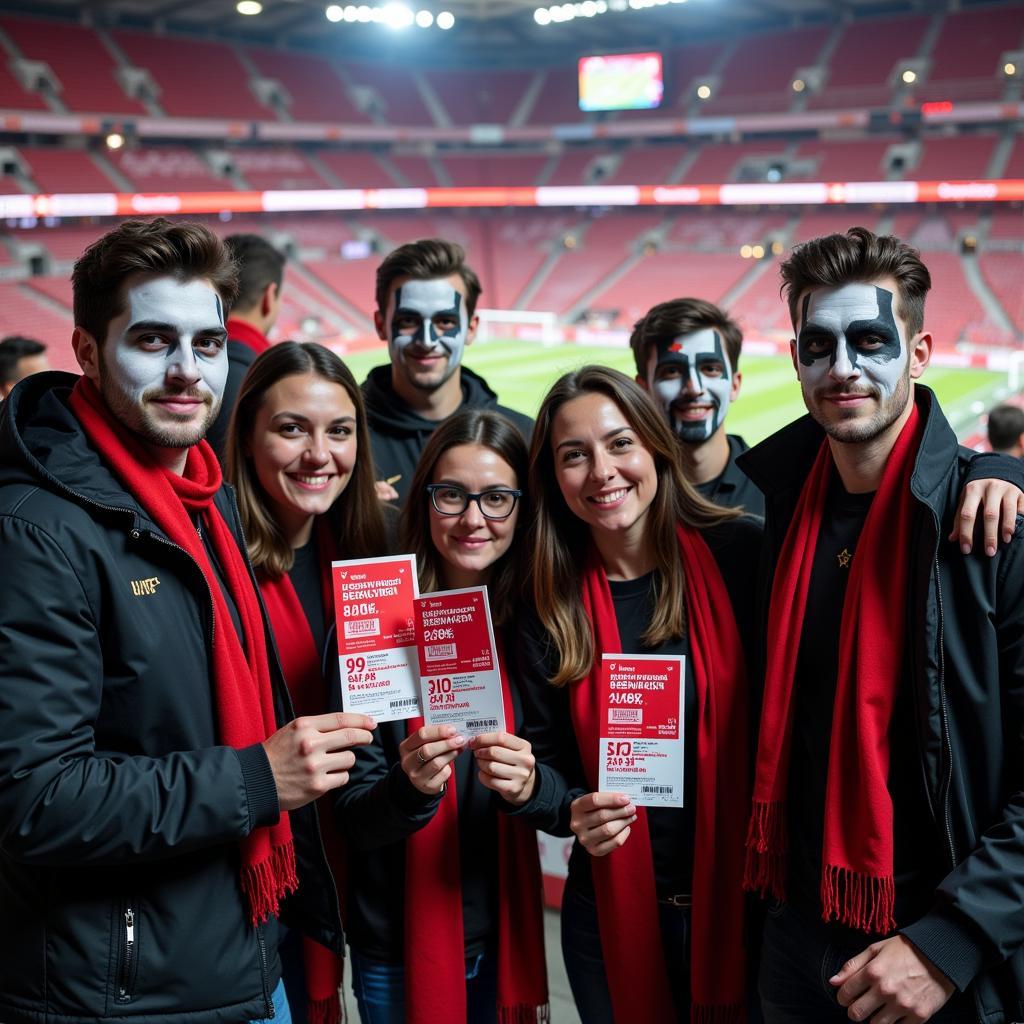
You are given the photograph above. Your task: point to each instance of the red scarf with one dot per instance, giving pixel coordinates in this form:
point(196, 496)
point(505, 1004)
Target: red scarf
point(624, 880)
point(857, 886)
point(435, 956)
point(300, 661)
point(240, 678)
point(239, 330)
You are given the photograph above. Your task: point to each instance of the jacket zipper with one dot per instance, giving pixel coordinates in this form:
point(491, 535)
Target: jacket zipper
point(124, 988)
point(269, 1003)
point(946, 747)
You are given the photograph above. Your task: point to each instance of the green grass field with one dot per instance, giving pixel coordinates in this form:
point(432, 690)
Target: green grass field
point(521, 373)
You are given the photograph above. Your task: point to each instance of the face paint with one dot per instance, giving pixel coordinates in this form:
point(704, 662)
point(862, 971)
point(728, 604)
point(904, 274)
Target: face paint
point(692, 381)
point(164, 364)
point(428, 331)
point(852, 360)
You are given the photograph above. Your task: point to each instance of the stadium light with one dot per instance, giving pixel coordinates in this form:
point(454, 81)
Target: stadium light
point(424, 19)
point(757, 252)
point(541, 16)
point(704, 92)
point(1009, 69)
point(334, 13)
point(445, 20)
point(397, 15)
point(249, 7)
point(799, 85)
point(746, 252)
point(909, 76)
point(115, 140)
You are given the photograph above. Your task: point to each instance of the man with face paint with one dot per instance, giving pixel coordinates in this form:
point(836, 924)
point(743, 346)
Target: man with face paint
point(687, 355)
point(426, 302)
point(156, 818)
point(888, 806)
point(253, 315)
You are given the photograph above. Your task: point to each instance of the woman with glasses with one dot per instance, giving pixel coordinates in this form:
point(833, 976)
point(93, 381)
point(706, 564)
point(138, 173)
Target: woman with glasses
point(298, 455)
point(444, 915)
point(626, 557)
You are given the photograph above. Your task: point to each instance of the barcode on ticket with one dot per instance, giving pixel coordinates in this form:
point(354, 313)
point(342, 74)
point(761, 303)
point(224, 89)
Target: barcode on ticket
point(362, 627)
point(657, 790)
point(407, 702)
point(482, 723)
point(435, 652)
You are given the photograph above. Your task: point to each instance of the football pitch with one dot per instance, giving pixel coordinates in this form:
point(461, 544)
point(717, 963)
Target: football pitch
point(521, 373)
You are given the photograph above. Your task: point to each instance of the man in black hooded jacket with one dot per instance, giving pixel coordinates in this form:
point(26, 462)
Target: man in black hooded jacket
point(426, 303)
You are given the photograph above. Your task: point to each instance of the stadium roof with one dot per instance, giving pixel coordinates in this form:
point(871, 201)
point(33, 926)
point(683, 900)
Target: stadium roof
point(486, 31)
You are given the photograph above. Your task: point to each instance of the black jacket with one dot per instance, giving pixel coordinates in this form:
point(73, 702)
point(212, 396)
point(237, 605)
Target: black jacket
point(965, 645)
point(734, 489)
point(398, 435)
point(240, 358)
point(118, 807)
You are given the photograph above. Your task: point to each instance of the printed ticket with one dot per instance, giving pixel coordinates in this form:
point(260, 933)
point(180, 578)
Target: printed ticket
point(373, 607)
point(460, 681)
point(642, 706)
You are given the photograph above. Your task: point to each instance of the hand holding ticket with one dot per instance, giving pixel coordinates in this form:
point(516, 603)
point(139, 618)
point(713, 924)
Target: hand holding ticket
point(427, 755)
point(601, 821)
point(506, 764)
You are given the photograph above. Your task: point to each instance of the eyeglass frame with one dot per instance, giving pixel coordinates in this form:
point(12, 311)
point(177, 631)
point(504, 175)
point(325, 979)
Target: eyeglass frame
point(431, 489)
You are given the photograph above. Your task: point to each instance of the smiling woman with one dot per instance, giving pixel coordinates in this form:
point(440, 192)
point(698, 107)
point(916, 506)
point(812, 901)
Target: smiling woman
point(298, 453)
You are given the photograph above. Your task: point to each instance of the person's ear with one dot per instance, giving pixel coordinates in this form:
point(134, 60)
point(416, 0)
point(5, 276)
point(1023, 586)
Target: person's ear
point(920, 354)
point(87, 352)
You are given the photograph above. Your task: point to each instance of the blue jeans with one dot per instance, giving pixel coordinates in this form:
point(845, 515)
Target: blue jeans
point(380, 989)
point(282, 1012)
point(800, 955)
point(584, 958)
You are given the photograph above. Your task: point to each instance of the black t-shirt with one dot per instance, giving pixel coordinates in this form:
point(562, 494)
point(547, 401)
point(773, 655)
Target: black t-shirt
point(305, 576)
point(732, 488)
point(915, 842)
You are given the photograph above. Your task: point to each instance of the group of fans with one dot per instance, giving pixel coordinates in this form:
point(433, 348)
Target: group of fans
point(188, 813)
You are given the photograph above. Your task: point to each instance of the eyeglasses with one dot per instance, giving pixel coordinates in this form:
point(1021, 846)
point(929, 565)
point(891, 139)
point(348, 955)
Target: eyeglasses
point(450, 500)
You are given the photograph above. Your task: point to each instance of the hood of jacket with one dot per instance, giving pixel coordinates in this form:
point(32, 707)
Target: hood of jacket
point(386, 410)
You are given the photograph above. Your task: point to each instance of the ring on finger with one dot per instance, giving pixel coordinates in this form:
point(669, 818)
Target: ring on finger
point(419, 756)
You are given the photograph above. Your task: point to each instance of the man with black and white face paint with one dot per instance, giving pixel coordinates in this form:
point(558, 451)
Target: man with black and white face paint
point(426, 302)
point(886, 803)
point(158, 794)
point(687, 355)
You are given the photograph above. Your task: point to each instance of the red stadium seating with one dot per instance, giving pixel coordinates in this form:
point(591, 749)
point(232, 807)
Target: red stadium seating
point(62, 169)
point(952, 306)
point(315, 90)
point(23, 313)
point(965, 62)
point(504, 169)
point(176, 168)
point(276, 169)
point(572, 166)
point(646, 165)
point(718, 161)
point(196, 78)
point(758, 76)
point(415, 169)
point(1007, 223)
point(719, 229)
point(356, 170)
point(475, 97)
point(759, 308)
point(14, 97)
point(353, 280)
point(682, 67)
point(57, 289)
point(845, 160)
point(558, 99)
point(960, 156)
point(63, 243)
point(401, 103)
point(1004, 271)
point(862, 62)
point(1015, 165)
point(83, 65)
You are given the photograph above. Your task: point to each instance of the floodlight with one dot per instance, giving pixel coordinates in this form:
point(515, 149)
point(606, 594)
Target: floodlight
point(396, 15)
point(704, 92)
point(541, 16)
point(1009, 69)
point(249, 7)
point(115, 140)
point(799, 85)
point(445, 20)
point(334, 13)
point(424, 19)
point(909, 76)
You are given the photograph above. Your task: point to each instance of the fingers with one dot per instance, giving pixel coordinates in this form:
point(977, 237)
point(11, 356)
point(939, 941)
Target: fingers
point(1010, 510)
point(604, 847)
point(601, 821)
point(963, 531)
point(507, 740)
point(427, 754)
point(385, 492)
point(851, 967)
point(596, 801)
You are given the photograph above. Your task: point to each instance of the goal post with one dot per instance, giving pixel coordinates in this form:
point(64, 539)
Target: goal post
point(519, 325)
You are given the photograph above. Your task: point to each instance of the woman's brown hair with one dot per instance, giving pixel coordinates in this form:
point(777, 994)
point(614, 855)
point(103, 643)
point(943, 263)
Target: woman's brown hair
point(559, 544)
point(489, 430)
point(355, 519)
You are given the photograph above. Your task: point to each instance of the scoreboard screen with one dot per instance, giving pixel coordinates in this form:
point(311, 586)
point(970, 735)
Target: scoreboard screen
point(621, 81)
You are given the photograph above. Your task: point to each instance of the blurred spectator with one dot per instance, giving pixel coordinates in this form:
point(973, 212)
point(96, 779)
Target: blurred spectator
point(18, 358)
point(260, 275)
point(1006, 430)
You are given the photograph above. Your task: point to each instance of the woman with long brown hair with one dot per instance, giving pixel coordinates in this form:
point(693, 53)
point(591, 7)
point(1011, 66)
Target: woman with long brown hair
point(298, 453)
point(626, 557)
point(444, 896)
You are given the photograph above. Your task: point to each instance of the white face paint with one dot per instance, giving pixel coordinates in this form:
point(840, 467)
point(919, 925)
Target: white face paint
point(164, 364)
point(427, 333)
point(852, 359)
point(690, 377)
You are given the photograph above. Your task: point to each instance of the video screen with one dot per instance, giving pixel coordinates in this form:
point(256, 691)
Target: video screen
point(621, 81)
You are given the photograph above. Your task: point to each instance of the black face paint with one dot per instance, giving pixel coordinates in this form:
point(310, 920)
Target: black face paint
point(818, 340)
point(425, 332)
point(691, 356)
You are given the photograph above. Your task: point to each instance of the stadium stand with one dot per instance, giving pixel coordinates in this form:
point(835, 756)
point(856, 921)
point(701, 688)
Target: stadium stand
point(841, 159)
point(14, 96)
point(222, 90)
point(965, 61)
point(469, 97)
point(864, 58)
point(66, 170)
point(759, 73)
point(1002, 272)
point(961, 156)
point(720, 161)
point(276, 169)
point(156, 169)
point(84, 67)
point(557, 101)
point(512, 168)
point(647, 165)
point(356, 170)
point(393, 98)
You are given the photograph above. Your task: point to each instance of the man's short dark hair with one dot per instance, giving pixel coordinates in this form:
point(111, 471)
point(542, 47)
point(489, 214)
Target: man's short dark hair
point(13, 349)
point(669, 320)
point(858, 256)
point(259, 264)
point(425, 260)
point(183, 250)
point(1005, 426)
